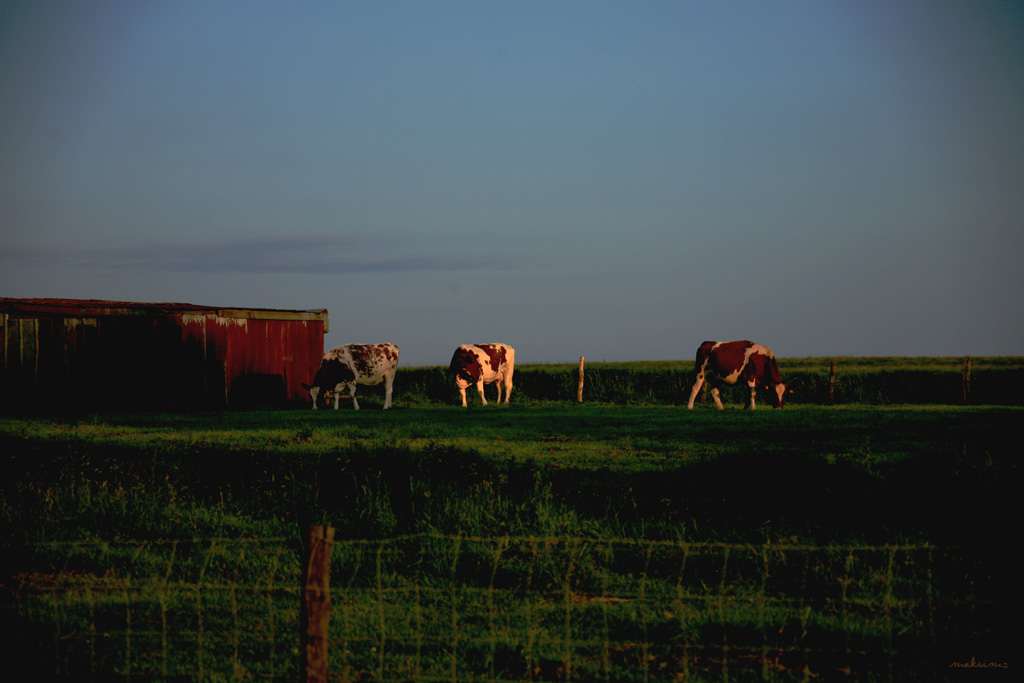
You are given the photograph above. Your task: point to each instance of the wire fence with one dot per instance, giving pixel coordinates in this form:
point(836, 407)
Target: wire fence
point(450, 608)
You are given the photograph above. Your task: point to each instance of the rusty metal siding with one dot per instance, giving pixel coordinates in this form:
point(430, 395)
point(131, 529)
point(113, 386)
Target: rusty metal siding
point(305, 350)
point(164, 356)
point(271, 357)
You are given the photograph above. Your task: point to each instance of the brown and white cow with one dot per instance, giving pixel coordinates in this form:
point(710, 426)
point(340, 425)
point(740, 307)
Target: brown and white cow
point(481, 364)
point(729, 362)
point(352, 364)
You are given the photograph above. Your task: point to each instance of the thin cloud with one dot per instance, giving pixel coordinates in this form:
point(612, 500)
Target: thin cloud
point(302, 255)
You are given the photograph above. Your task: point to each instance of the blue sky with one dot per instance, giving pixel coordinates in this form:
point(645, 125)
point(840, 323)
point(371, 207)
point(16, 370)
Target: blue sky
point(620, 180)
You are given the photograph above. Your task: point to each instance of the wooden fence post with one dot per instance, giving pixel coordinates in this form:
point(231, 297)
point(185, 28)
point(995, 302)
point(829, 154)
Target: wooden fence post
point(316, 604)
point(967, 379)
point(832, 382)
point(579, 389)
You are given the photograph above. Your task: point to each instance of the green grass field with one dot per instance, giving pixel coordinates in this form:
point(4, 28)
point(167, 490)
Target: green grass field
point(537, 541)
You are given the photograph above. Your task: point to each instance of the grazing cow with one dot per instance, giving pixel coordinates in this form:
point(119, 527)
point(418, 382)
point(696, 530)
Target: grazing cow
point(481, 364)
point(352, 364)
point(728, 362)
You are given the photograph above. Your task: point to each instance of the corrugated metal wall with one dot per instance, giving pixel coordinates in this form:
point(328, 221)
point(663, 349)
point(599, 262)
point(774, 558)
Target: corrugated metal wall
point(68, 354)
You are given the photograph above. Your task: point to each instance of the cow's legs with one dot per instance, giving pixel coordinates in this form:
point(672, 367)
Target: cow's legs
point(714, 395)
point(389, 381)
point(462, 393)
point(753, 392)
point(351, 392)
point(480, 390)
point(697, 384)
point(508, 386)
point(498, 382)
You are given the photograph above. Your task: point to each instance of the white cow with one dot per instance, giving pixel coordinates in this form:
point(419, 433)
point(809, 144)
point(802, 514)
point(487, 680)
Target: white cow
point(352, 364)
point(481, 364)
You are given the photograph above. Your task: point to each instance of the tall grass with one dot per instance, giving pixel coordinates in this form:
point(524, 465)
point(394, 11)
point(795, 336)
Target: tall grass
point(435, 607)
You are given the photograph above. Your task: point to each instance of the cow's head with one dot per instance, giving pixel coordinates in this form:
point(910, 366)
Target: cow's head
point(779, 390)
point(318, 390)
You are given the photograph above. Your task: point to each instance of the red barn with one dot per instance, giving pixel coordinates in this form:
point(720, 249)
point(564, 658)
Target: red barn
point(63, 353)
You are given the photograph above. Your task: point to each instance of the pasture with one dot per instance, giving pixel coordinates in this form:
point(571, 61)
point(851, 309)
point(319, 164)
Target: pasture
point(540, 541)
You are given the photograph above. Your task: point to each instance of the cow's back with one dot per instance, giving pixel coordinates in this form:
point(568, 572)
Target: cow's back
point(723, 358)
point(501, 358)
point(372, 360)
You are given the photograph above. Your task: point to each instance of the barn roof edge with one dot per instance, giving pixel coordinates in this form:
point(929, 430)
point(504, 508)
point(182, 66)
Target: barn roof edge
point(102, 307)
